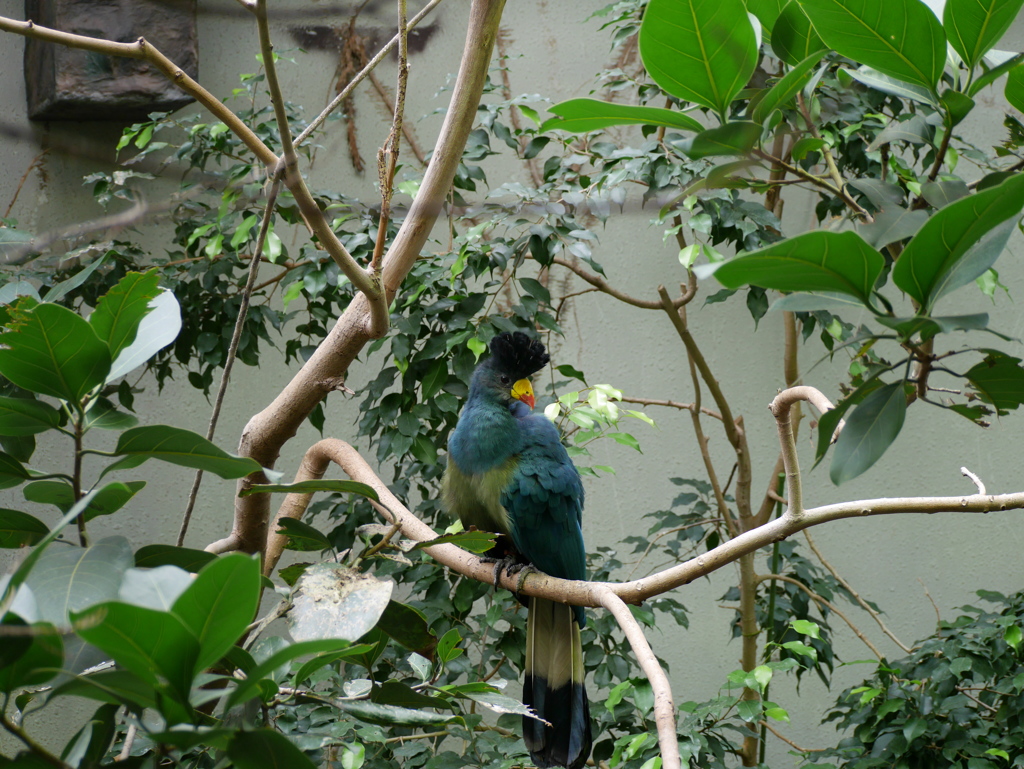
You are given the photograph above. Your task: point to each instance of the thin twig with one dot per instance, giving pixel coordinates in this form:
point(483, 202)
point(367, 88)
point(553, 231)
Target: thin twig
point(977, 481)
point(36, 161)
point(377, 59)
point(225, 375)
point(788, 741)
point(856, 596)
point(821, 601)
point(672, 405)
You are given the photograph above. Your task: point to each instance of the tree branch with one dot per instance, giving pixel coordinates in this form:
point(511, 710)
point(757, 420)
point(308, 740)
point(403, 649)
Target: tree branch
point(269, 430)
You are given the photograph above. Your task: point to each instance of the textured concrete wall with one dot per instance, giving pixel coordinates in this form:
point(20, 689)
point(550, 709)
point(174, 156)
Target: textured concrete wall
point(892, 560)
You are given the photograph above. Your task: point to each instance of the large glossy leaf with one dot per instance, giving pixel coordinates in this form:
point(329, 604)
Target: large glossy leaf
point(117, 315)
point(159, 327)
point(52, 351)
point(152, 644)
point(893, 225)
point(18, 529)
point(974, 26)
point(870, 430)
point(701, 51)
point(151, 556)
point(929, 327)
point(793, 36)
point(107, 500)
point(307, 487)
point(735, 138)
point(900, 38)
point(392, 715)
point(266, 749)
point(1014, 90)
point(24, 416)
point(815, 261)
point(121, 686)
point(181, 447)
point(999, 380)
point(582, 115)
point(951, 249)
point(784, 90)
point(302, 537)
point(220, 604)
point(17, 579)
point(766, 11)
point(886, 84)
point(70, 579)
point(87, 748)
point(40, 663)
point(12, 472)
point(156, 588)
point(331, 601)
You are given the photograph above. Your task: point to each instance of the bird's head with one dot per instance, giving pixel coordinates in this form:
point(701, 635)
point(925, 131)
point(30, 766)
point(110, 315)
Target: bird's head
point(514, 357)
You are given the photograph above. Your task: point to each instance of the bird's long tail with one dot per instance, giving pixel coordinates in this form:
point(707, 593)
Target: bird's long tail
point(554, 688)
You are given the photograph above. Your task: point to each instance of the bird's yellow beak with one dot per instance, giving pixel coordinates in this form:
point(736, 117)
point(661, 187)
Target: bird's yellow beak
point(523, 391)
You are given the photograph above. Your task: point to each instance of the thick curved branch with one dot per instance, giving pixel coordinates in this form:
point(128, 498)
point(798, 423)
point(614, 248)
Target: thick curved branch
point(664, 707)
point(604, 286)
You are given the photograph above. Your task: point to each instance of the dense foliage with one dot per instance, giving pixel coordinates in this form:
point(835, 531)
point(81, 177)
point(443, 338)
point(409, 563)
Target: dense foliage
point(868, 124)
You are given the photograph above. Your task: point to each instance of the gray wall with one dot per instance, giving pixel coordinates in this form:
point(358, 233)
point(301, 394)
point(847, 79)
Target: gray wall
point(893, 560)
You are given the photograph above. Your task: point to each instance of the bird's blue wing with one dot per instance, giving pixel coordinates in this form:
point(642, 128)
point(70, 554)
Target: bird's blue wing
point(544, 501)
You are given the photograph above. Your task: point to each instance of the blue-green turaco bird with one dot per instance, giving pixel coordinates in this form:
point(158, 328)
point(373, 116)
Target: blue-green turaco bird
point(509, 473)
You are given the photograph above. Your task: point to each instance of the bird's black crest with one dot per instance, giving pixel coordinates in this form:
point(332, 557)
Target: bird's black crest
point(517, 354)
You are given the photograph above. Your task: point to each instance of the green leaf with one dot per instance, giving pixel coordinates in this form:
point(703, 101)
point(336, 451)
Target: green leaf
point(735, 138)
point(397, 693)
point(151, 644)
point(115, 686)
point(473, 541)
point(815, 261)
point(999, 380)
point(106, 501)
point(914, 728)
point(249, 686)
point(220, 604)
point(12, 472)
point(974, 26)
point(38, 664)
point(872, 78)
point(787, 87)
point(956, 107)
point(307, 487)
point(181, 447)
point(994, 74)
point(435, 378)
point(1012, 635)
point(749, 710)
point(156, 588)
point(870, 430)
point(929, 327)
point(151, 556)
point(701, 51)
point(893, 225)
point(158, 328)
point(566, 370)
point(448, 647)
point(311, 666)
point(18, 529)
point(583, 115)
point(52, 351)
point(1014, 89)
point(28, 562)
point(409, 627)
point(806, 627)
point(26, 416)
point(94, 739)
point(302, 537)
point(391, 715)
point(793, 36)
point(951, 249)
point(69, 579)
point(900, 38)
point(266, 749)
point(118, 313)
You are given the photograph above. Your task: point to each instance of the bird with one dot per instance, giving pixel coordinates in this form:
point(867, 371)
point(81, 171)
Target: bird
point(509, 473)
